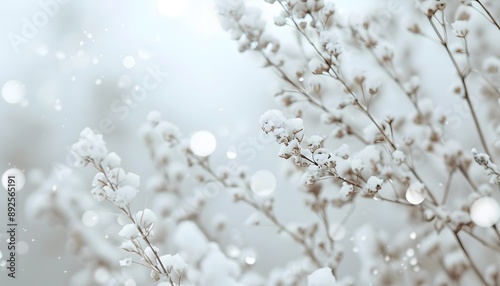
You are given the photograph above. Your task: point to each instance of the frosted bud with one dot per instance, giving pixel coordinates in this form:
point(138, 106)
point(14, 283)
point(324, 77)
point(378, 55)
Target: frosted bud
point(98, 194)
point(328, 37)
point(294, 125)
point(271, 119)
point(329, 9)
point(461, 28)
point(373, 185)
point(463, 13)
point(334, 49)
point(112, 160)
point(145, 218)
point(129, 232)
point(125, 195)
point(314, 142)
point(347, 189)
point(279, 21)
point(359, 76)
point(398, 157)
point(357, 165)
point(154, 117)
point(491, 65)
point(317, 66)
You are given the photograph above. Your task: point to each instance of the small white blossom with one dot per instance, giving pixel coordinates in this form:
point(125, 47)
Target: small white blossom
point(126, 262)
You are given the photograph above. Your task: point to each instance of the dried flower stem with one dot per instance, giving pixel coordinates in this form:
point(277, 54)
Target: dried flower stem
point(443, 38)
point(491, 18)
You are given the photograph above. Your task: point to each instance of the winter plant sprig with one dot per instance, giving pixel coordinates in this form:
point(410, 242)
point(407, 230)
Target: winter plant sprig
point(112, 184)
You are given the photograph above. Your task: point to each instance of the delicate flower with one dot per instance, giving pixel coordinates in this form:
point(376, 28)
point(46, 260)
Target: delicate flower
point(126, 262)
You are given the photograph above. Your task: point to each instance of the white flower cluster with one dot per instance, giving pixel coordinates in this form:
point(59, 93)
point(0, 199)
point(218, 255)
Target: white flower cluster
point(113, 184)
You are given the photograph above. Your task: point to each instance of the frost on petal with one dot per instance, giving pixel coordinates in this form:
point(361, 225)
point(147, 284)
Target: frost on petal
point(129, 231)
point(126, 262)
point(125, 195)
point(321, 277)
